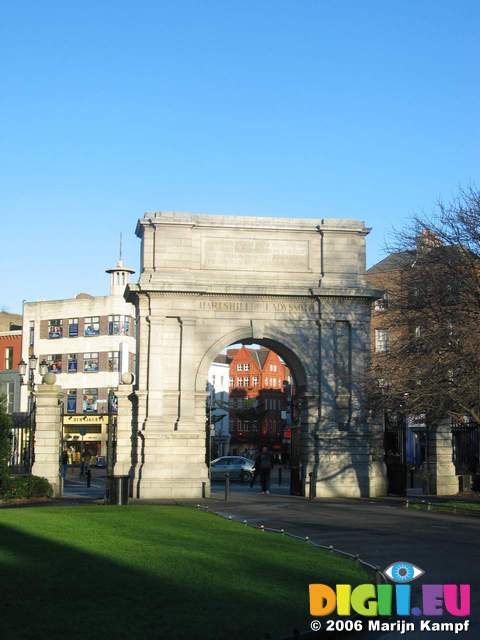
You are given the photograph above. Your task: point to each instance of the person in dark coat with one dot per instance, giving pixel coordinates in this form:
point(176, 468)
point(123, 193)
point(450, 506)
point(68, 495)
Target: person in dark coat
point(263, 467)
point(64, 464)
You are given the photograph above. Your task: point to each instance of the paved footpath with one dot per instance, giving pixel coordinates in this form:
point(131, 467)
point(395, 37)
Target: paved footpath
point(446, 547)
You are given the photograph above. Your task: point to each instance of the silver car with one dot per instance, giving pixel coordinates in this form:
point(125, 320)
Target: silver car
point(239, 468)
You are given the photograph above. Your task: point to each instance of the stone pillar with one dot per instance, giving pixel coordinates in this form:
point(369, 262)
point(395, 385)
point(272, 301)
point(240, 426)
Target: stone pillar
point(126, 434)
point(171, 439)
point(377, 469)
point(48, 432)
point(443, 479)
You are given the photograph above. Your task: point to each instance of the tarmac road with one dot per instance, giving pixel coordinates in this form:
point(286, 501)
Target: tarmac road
point(446, 547)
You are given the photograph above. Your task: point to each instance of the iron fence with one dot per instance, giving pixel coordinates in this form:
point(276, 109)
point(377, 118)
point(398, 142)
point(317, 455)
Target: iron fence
point(466, 447)
point(22, 442)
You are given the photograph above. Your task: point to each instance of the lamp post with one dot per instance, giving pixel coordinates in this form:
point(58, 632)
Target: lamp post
point(29, 379)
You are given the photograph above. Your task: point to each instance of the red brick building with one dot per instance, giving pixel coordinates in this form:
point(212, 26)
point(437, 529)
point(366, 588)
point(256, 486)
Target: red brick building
point(10, 356)
point(259, 391)
point(10, 350)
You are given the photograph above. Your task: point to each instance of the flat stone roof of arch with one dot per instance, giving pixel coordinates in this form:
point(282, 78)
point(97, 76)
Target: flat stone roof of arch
point(201, 219)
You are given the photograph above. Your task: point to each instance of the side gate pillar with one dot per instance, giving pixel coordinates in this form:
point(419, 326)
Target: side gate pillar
point(48, 432)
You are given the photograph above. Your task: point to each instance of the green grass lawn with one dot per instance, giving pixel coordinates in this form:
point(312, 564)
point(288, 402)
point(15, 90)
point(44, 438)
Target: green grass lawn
point(153, 572)
point(448, 506)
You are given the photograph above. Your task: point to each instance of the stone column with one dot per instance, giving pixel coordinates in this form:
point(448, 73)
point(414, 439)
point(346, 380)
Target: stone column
point(155, 361)
point(48, 432)
point(327, 373)
point(186, 420)
point(126, 433)
point(443, 479)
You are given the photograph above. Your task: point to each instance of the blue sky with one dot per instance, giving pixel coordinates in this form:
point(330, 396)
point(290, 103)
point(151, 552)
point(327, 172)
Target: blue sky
point(359, 109)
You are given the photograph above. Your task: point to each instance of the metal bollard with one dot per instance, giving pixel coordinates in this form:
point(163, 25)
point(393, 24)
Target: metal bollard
point(89, 478)
point(279, 476)
point(204, 489)
point(227, 487)
point(311, 489)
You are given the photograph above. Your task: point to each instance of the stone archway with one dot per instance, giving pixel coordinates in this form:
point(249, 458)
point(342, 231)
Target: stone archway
point(209, 281)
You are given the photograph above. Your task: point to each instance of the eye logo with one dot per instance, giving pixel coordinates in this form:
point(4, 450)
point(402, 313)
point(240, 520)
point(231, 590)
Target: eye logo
point(403, 572)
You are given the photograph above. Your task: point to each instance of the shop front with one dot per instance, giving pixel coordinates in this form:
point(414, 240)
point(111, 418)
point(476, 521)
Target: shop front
point(85, 434)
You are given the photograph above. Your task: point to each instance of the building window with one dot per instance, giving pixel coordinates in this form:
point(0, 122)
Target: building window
point(381, 340)
point(239, 382)
point(7, 390)
point(118, 325)
point(255, 381)
point(72, 363)
point(382, 303)
point(55, 329)
point(113, 360)
point(231, 382)
point(54, 363)
point(265, 381)
point(90, 362)
point(246, 381)
point(90, 399)
point(73, 327)
point(92, 326)
point(31, 335)
point(72, 401)
point(246, 367)
point(239, 367)
point(273, 367)
point(9, 358)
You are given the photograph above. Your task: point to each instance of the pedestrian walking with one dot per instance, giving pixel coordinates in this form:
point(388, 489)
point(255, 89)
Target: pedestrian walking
point(64, 464)
point(263, 467)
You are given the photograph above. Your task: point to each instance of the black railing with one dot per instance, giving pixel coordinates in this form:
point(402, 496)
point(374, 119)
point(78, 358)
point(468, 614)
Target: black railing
point(466, 447)
point(22, 443)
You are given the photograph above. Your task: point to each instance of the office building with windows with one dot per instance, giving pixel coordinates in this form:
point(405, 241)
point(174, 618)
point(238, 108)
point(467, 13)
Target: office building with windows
point(88, 342)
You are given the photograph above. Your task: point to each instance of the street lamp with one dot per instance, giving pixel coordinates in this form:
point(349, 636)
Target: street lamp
point(22, 368)
point(30, 380)
point(43, 368)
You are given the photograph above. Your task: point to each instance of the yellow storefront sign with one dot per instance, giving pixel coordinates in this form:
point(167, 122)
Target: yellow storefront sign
point(79, 420)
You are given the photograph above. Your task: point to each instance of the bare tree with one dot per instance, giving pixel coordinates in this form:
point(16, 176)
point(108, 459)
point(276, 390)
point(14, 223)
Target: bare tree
point(432, 367)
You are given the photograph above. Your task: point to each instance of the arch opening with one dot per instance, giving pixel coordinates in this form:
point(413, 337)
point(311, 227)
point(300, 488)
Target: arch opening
point(253, 410)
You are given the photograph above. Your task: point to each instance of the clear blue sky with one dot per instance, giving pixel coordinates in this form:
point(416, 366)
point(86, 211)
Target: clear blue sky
point(363, 109)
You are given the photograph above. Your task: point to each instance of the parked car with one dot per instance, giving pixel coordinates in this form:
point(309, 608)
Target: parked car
point(239, 468)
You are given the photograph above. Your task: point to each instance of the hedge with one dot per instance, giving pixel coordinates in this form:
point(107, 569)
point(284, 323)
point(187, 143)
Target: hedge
point(25, 487)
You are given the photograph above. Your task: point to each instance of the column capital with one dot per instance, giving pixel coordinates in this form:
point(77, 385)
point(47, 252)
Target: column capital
point(188, 321)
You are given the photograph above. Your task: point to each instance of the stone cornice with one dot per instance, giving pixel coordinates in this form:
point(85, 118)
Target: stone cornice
point(366, 293)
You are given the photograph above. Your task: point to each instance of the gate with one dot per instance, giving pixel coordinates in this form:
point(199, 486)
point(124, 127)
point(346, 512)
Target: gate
point(22, 442)
point(395, 443)
point(111, 432)
point(466, 447)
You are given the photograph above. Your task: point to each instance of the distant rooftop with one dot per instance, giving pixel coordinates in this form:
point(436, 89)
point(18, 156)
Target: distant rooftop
point(393, 262)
